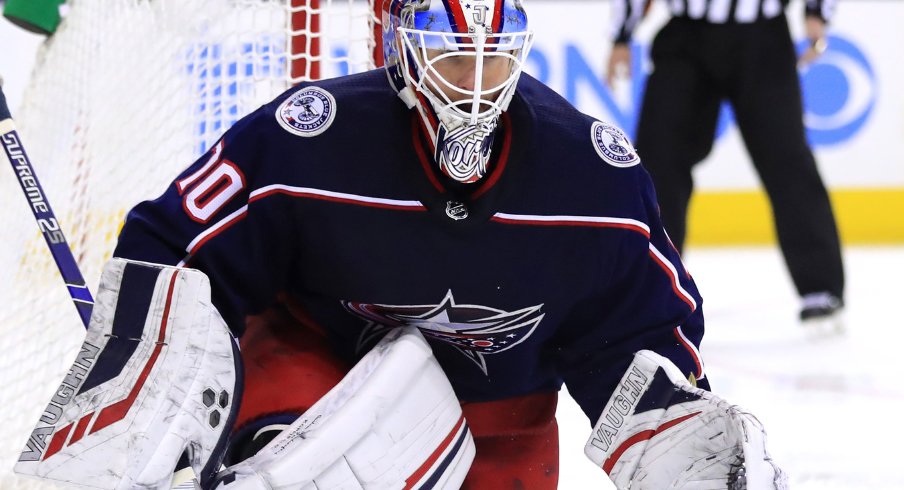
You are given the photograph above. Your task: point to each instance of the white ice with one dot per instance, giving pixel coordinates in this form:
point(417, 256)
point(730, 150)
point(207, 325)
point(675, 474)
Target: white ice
point(830, 406)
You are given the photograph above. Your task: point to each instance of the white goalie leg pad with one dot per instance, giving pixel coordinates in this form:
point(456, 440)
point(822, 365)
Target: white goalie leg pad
point(155, 377)
point(659, 432)
point(392, 422)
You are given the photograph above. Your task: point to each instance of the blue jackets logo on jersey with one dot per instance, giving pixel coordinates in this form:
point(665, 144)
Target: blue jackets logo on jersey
point(613, 146)
point(308, 112)
point(474, 330)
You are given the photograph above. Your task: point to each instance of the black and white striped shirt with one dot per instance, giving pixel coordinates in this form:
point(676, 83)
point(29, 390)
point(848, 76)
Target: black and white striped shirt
point(627, 13)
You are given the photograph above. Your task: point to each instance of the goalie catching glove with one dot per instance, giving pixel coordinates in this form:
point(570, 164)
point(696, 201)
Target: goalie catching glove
point(659, 432)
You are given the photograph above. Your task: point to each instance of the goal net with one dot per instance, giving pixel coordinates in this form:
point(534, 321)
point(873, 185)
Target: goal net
point(123, 96)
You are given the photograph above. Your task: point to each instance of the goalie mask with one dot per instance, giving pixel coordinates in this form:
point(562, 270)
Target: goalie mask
point(457, 62)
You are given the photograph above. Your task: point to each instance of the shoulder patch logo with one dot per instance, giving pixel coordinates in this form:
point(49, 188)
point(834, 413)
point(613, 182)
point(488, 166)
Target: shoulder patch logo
point(308, 112)
point(613, 146)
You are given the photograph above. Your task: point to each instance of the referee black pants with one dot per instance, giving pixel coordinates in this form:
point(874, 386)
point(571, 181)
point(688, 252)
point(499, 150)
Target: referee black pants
point(753, 66)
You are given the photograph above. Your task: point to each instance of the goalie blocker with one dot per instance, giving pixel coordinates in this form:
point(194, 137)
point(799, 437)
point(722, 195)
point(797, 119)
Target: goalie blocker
point(658, 432)
point(155, 381)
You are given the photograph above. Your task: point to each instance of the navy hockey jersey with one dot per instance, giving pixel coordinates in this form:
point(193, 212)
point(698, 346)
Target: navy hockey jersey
point(555, 268)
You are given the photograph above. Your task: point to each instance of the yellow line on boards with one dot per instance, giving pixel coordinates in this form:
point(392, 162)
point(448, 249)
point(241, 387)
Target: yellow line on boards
point(865, 216)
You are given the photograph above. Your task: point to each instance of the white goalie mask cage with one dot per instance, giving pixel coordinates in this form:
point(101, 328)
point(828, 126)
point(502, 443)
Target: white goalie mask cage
point(482, 45)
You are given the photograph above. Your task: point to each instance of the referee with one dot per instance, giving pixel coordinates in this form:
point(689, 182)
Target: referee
point(739, 50)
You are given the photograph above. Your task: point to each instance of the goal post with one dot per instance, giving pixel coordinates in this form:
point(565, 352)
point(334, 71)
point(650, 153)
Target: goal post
point(124, 95)
point(327, 37)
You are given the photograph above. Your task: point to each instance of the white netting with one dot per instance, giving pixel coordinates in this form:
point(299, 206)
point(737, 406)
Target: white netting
point(124, 95)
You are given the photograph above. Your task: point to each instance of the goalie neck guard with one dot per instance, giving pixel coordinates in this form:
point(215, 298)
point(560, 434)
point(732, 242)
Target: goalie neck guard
point(457, 62)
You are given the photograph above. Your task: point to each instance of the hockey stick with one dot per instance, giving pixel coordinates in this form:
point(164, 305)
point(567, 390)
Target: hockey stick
point(40, 208)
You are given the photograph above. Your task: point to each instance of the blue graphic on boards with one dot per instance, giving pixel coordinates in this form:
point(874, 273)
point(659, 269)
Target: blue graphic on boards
point(839, 89)
point(840, 92)
point(218, 85)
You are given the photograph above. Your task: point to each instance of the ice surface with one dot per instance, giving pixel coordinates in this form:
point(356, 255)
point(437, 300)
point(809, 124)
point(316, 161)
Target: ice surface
point(830, 405)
